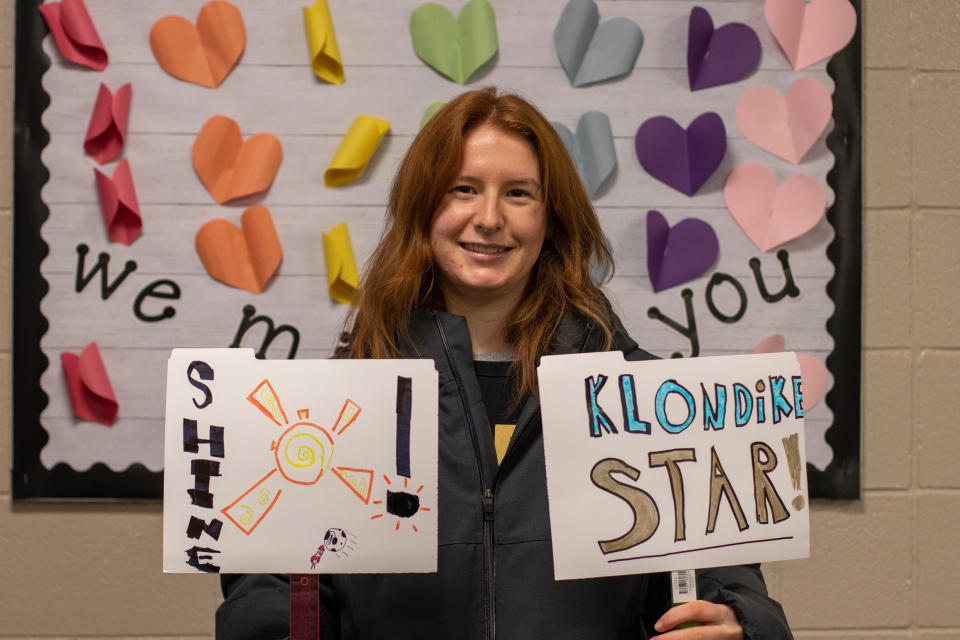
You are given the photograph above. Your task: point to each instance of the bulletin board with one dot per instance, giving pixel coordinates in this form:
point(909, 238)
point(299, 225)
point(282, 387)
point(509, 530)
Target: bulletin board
point(73, 285)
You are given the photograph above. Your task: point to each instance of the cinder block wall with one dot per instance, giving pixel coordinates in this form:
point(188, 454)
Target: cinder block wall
point(884, 567)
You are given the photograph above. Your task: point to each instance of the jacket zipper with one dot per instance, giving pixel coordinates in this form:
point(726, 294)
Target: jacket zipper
point(486, 493)
point(525, 433)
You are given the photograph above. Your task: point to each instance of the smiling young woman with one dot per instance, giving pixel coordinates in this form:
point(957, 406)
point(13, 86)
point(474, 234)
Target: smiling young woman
point(488, 231)
point(484, 266)
point(404, 271)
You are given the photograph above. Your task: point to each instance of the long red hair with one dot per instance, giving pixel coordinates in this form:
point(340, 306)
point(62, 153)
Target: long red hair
point(401, 274)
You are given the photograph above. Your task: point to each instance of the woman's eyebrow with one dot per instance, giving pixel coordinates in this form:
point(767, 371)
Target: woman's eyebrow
point(530, 183)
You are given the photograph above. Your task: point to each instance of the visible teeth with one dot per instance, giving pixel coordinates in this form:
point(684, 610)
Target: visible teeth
point(479, 248)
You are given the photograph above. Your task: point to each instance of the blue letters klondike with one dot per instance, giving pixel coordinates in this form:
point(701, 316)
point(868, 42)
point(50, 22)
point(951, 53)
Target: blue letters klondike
point(714, 405)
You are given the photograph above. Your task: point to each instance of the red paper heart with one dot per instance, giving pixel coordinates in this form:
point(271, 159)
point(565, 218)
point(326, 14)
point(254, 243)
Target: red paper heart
point(108, 124)
point(75, 34)
point(91, 394)
point(118, 201)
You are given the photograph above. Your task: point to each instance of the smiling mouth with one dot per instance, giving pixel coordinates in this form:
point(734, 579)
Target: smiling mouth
point(483, 248)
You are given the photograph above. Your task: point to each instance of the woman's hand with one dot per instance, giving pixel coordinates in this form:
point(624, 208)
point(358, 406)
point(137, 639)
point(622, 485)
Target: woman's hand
point(717, 622)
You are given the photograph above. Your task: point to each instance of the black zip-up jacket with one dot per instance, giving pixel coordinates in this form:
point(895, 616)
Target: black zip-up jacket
point(494, 559)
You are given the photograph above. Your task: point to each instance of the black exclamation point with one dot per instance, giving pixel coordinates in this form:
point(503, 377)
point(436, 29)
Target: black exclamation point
point(404, 403)
point(401, 503)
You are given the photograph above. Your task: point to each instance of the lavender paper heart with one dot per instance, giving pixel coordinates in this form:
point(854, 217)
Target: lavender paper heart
point(678, 254)
point(683, 159)
point(719, 56)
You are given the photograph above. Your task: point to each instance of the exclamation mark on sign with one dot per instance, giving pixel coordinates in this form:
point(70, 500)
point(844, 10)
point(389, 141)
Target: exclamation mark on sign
point(792, 447)
point(404, 402)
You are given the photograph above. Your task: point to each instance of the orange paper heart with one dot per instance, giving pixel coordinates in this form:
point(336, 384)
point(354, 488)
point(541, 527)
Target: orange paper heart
point(202, 53)
point(230, 167)
point(244, 258)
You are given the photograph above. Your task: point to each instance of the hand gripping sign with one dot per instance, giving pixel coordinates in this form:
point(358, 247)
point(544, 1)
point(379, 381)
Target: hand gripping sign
point(293, 466)
point(676, 464)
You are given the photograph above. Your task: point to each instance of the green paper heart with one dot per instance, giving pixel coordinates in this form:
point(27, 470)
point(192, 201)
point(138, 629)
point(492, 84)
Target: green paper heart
point(430, 112)
point(456, 47)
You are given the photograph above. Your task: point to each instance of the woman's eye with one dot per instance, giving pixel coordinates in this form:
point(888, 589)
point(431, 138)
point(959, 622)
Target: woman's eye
point(463, 188)
point(518, 193)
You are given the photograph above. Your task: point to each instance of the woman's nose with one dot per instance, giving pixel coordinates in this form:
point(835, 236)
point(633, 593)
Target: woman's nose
point(489, 216)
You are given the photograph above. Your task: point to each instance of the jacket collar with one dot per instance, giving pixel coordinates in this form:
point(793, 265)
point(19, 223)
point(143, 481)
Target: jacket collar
point(445, 338)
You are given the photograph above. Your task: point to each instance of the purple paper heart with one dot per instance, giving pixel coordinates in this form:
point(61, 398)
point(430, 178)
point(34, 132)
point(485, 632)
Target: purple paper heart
point(678, 254)
point(683, 159)
point(720, 56)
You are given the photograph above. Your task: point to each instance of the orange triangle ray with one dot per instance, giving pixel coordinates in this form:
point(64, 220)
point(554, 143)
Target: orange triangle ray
point(360, 481)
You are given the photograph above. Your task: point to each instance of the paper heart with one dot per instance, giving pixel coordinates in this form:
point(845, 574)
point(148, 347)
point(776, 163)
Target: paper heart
point(591, 149)
point(91, 394)
point(678, 254)
point(118, 203)
point(592, 52)
point(342, 276)
point(812, 371)
point(324, 52)
point(455, 47)
point(243, 258)
point(202, 53)
point(429, 112)
point(683, 159)
point(598, 273)
point(808, 32)
point(772, 214)
point(231, 167)
point(785, 127)
point(354, 153)
point(75, 34)
point(108, 124)
point(719, 56)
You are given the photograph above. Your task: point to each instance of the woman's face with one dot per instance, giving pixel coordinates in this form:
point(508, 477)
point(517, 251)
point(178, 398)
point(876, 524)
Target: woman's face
point(489, 229)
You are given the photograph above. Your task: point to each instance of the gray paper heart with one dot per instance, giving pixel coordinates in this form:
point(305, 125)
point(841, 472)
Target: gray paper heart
point(590, 53)
point(591, 149)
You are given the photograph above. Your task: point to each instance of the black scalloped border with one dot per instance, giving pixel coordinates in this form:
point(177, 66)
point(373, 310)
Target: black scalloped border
point(841, 478)
point(30, 479)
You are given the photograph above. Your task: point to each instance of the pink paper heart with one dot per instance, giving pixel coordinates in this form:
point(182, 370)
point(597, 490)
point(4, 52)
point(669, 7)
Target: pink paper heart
point(812, 371)
point(771, 214)
point(785, 127)
point(808, 32)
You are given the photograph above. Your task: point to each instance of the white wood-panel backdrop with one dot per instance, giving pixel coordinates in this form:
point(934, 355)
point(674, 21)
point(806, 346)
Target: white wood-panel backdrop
point(273, 89)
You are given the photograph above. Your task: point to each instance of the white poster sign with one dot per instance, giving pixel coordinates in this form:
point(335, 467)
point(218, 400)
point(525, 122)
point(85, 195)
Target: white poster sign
point(673, 464)
point(299, 466)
